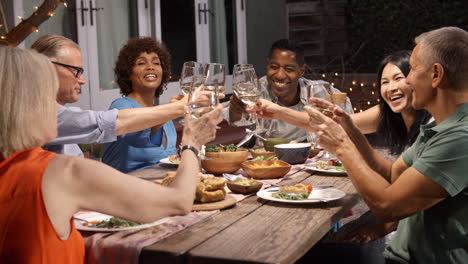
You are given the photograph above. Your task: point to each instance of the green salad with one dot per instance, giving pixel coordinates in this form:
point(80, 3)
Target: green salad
point(287, 196)
point(221, 148)
point(115, 222)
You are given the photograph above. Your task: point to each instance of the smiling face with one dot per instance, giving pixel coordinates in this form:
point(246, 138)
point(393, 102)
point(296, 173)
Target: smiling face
point(394, 89)
point(420, 79)
point(70, 86)
point(147, 72)
point(283, 73)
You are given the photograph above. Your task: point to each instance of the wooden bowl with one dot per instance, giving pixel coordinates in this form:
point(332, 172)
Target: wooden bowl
point(265, 154)
point(244, 189)
point(224, 162)
point(267, 171)
point(314, 151)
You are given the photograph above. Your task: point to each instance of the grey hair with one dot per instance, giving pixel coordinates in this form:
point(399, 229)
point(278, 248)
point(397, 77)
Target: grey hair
point(52, 45)
point(449, 47)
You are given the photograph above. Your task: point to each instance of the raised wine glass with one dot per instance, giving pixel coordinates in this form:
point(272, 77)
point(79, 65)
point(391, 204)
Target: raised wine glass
point(246, 87)
point(215, 77)
point(243, 121)
point(190, 69)
point(197, 104)
point(312, 137)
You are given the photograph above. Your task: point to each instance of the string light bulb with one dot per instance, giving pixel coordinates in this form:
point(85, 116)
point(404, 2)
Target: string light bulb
point(373, 92)
point(323, 75)
point(2, 37)
point(20, 17)
point(336, 74)
point(362, 84)
point(51, 14)
point(333, 84)
point(65, 4)
point(36, 7)
point(350, 89)
point(354, 82)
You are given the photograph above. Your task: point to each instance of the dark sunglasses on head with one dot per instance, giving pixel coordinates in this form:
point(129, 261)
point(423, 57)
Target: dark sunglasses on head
point(79, 70)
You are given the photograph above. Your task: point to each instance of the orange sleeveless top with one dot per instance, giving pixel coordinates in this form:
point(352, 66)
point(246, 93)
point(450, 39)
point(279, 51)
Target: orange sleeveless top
point(26, 233)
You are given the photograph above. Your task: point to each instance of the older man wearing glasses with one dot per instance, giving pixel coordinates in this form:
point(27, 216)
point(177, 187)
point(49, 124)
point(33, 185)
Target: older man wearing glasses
point(76, 126)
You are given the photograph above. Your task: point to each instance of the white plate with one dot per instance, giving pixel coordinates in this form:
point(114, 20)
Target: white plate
point(317, 196)
point(168, 162)
point(93, 216)
point(330, 169)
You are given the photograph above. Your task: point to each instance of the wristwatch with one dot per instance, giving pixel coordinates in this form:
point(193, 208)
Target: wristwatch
point(192, 148)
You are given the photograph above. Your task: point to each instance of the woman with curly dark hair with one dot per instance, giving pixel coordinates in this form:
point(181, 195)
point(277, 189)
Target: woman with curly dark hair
point(142, 71)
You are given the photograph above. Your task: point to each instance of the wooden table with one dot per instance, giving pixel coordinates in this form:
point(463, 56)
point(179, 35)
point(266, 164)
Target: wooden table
point(255, 230)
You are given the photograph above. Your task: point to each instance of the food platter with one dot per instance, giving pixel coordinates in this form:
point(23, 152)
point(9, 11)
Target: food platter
point(317, 196)
point(95, 216)
point(329, 169)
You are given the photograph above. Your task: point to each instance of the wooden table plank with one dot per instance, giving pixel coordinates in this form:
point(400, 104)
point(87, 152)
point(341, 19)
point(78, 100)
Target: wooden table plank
point(174, 248)
point(276, 232)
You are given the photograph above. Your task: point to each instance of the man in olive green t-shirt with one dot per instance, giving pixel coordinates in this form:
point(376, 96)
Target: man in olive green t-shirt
point(426, 189)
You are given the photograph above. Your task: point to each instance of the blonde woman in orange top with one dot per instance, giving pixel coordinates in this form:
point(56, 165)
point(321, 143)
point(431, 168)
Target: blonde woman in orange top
point(40, 190)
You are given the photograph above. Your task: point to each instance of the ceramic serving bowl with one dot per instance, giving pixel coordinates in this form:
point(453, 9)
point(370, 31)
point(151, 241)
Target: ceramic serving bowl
point(244, 186)
point(270, 143)
point(294, 153)
point(268, 169)
point(224, 162)
point(261, 152)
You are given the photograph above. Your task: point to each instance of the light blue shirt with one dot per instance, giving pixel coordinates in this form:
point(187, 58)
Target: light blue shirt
point(77, 126)
point(138, 150)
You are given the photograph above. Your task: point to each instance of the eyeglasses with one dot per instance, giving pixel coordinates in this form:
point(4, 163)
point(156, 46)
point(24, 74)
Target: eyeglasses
point(79, 70)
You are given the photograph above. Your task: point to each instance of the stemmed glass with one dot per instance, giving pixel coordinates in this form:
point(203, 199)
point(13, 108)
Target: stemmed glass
point(246, 87)
point(197, 105)
point(243, 121)
point(312, 137)
point(190, 69)
point(215, 77)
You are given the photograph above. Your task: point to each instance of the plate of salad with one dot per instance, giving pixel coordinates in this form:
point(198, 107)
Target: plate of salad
point(97, 222)
point(329, 166)
point(285, 195)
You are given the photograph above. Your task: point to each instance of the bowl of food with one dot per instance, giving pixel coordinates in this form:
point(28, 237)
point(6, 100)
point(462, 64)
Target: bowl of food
point(268, 169)
point(223, 159)
point(261, 152)
point(294, 153)
point(244, 186)
point(270, 143)
point(314, 151)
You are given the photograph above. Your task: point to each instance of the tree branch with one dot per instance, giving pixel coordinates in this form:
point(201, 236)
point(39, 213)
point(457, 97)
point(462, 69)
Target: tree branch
point(31, 24)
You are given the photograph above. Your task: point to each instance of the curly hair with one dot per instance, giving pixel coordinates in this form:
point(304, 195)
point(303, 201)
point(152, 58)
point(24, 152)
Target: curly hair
point(127, 58)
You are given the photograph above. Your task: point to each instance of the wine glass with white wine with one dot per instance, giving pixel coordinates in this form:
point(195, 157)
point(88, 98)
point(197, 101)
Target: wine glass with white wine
point(215, 77)
point(246, 87)
point(243, 121)
point(201, 101)
point(190, 69)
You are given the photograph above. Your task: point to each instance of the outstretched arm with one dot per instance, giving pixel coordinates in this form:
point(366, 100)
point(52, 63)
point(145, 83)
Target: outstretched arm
point(71, 184)
point(409, 190)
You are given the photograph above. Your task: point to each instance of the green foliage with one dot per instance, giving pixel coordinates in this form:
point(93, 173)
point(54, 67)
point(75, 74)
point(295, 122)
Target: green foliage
point(379, 27)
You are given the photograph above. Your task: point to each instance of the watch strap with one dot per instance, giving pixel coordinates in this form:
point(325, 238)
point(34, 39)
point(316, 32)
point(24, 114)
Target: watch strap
point(192, 148)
